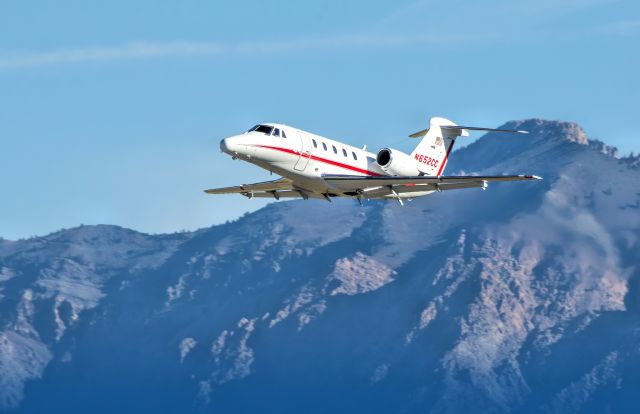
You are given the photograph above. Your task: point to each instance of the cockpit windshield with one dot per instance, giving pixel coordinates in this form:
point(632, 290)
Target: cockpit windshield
point(265, 129)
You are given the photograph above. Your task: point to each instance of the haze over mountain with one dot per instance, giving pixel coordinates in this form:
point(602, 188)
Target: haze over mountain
point(520, 298)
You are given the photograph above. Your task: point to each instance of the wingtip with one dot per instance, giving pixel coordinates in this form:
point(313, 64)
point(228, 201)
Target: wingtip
point(522, 132)
point(533, 177)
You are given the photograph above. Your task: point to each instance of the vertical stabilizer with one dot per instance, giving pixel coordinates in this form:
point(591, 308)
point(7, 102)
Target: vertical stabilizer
point(432, 153)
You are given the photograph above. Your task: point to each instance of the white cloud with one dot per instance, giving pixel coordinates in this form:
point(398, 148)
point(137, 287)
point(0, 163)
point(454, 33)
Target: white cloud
point(145, 50)
point(136, 50)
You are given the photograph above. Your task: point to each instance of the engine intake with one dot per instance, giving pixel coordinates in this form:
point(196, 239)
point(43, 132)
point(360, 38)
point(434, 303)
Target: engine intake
point(395, 162)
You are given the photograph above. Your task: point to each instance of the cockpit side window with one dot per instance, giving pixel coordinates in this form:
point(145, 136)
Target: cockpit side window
point(283, 134)
point(276, 132)
point(265, 129)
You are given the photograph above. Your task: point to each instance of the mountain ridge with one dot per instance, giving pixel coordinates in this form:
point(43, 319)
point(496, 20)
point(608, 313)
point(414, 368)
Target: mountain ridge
point(459, 301)
point(563, 131)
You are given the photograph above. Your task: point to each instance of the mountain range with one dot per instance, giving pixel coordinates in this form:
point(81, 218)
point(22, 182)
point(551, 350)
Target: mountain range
point(520, 298)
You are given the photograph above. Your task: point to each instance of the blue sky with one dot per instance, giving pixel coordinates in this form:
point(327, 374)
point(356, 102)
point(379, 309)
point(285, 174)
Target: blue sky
point(111, 112)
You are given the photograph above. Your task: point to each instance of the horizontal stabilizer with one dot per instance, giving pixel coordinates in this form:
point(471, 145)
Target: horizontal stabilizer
point(468, 128)
point(459, 129)
point(419, 134)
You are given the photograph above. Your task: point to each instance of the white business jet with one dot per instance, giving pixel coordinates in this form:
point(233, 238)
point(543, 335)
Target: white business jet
point(312, 166)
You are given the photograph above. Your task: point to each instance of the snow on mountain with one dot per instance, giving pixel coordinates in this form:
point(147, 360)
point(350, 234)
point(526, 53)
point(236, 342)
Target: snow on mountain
point(62, 274)
point(520, 298)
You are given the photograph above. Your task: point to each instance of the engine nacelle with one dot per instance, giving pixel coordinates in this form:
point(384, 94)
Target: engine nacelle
point(396, 162)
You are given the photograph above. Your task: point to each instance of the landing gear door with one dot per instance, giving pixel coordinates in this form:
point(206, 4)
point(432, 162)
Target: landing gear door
point(305, 151)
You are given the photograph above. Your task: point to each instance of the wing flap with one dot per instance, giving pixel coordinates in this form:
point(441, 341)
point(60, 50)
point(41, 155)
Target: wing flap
point(276, 185)
point(277, 195)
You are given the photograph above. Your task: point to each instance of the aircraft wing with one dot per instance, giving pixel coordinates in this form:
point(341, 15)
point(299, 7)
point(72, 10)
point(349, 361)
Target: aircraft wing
point(255, 189)
point(381, 186)
point(370, 187)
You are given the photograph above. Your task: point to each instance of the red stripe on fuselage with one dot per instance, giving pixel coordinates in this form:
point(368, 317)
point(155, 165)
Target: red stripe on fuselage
point(325, 160)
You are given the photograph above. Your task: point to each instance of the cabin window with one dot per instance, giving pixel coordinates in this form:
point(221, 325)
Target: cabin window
point(354, 156)
point(324, 146)
point(335, 150)
point(315, 144)
point(344, 152)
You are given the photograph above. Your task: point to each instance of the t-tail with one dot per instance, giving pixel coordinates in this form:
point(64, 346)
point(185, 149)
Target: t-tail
point(432, 153)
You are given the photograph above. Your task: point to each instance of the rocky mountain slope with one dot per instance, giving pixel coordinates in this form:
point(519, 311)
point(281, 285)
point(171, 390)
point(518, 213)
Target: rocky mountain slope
point(520, 298)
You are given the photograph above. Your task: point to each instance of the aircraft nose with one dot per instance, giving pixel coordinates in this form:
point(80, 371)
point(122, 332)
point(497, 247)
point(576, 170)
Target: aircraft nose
point(230, 145)
point(224, 145)
point(235, 145)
